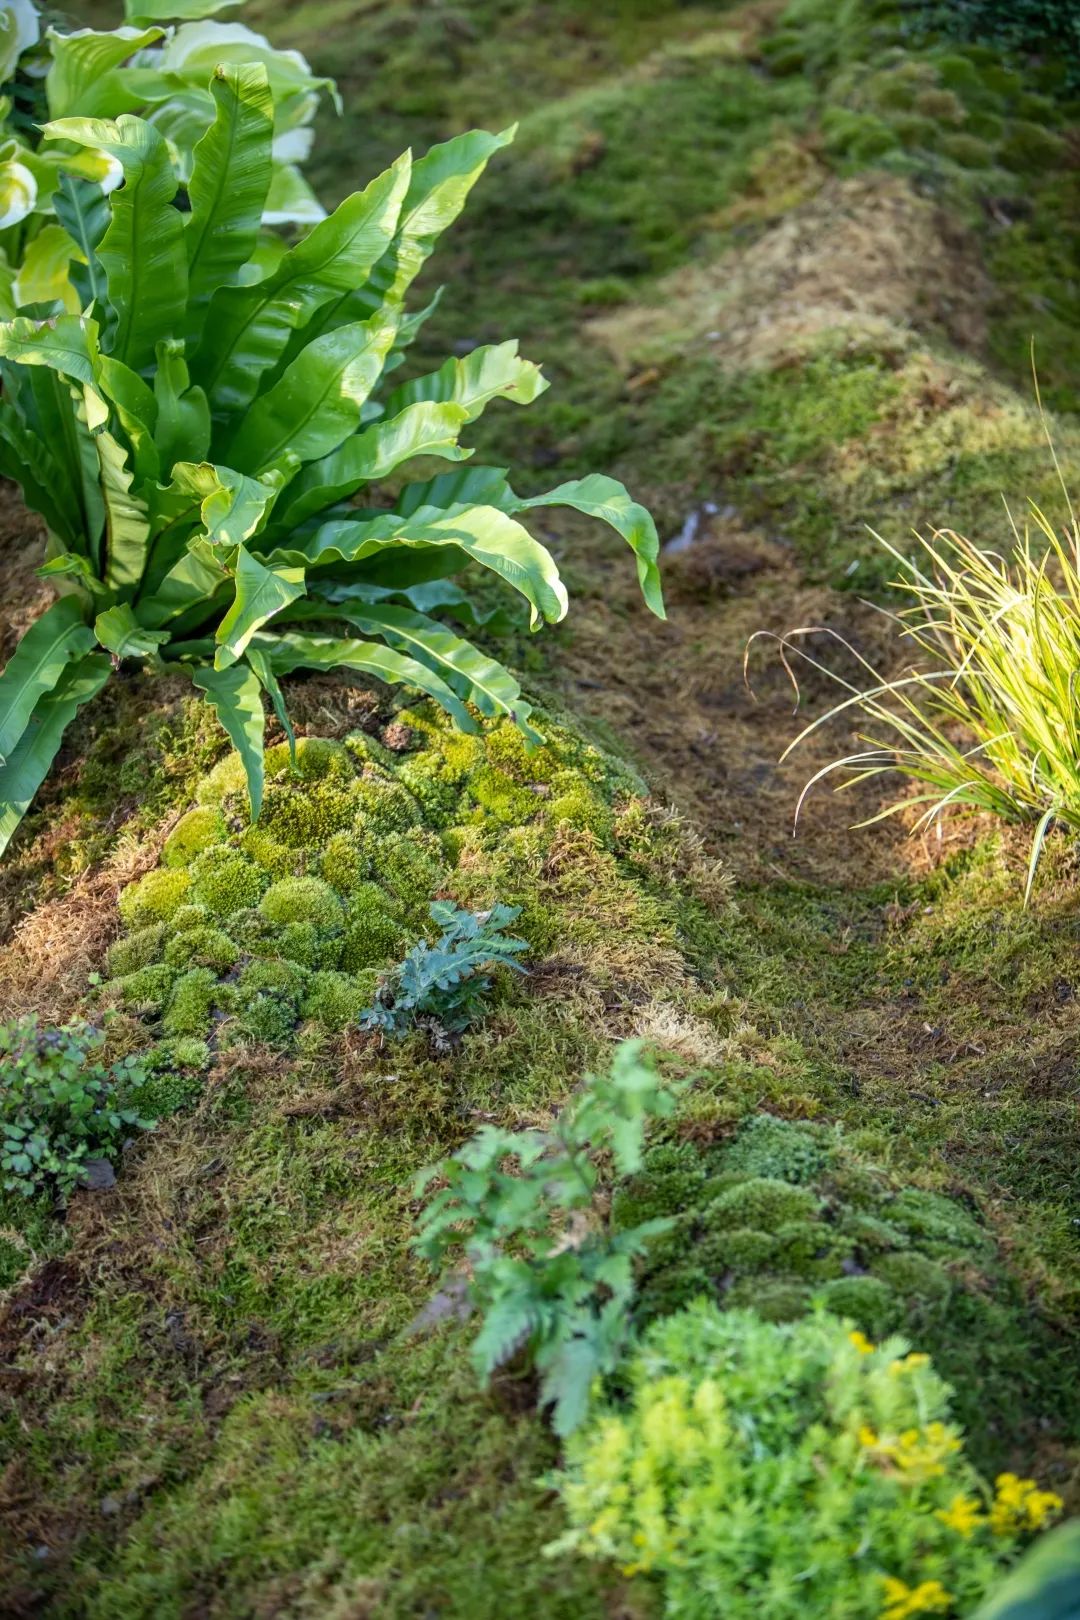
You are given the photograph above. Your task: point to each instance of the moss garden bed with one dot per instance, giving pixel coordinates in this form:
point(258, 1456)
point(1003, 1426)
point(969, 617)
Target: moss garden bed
point(786, 1128)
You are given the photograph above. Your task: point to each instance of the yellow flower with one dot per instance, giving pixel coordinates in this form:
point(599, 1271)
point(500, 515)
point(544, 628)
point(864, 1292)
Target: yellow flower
point(862, 1343)
point(919, 1454)
point(1020, 1506)
point(909, 1363)
point(901, 1600)
point(961, 1515)
point(1042, 1505)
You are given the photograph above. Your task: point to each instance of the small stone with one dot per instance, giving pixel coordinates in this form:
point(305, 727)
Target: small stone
point(98, 1175)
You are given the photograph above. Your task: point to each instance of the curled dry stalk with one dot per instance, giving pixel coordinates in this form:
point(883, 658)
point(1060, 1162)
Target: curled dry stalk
point(994, 722)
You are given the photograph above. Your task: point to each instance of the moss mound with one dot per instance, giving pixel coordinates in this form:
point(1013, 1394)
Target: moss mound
point(246, 934)
point(784, 1215)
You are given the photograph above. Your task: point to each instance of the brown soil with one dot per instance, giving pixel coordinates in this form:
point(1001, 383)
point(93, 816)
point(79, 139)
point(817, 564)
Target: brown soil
point(677, 694)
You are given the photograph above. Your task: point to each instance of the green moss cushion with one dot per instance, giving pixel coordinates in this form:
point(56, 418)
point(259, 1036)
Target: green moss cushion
point(246, 933)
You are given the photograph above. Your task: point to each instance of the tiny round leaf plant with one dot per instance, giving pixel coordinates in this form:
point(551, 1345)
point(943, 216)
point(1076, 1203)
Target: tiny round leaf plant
point(64, 1114)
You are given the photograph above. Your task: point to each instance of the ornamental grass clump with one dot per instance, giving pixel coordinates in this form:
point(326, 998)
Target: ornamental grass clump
point(197, 436)
point(991, 719)
point(770, 1471)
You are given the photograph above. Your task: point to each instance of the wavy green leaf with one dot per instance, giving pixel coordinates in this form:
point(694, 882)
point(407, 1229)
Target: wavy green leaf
point(28, 763)
point(418, 430)
point(56, 411)
point(495, 371)
point(137, 409)
point(229, 183)
point(127, 527)
point(43, 276)
point(79, 80)
point(447, 540)
point(120, 633)
point(261, 593)
point(182, 431)
point(606, 499)
point(466, 486)
point(67, 344)
point(438, 189)
point(291, 650)
point(260, 663)
point(142, 252)
point(247, 328)
point(595, 496)
point(40, 658)
point(232, 507)
point(317, 403)
point(236, 698)
point(148, 11)
point(27, 461)
point(190, 592)
point(473, 676)
point(83, 210)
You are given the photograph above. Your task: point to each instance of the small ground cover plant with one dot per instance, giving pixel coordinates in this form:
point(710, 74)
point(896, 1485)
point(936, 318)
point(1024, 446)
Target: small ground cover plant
point(516, 1207)
point(993, 723)
point(783, 1214)
point(193, 440)
point(446, 982)
point(61, 1108)
point(782, 1470)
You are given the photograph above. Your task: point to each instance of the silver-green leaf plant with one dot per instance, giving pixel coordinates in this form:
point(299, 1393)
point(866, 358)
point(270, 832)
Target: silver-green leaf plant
point(199, 435)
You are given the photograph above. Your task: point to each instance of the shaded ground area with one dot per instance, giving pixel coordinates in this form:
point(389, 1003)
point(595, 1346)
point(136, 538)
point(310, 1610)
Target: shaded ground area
point(783, 269)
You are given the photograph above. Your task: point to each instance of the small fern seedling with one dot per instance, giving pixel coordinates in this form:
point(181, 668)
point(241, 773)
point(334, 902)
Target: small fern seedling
point(446, 982)
point(515, 1209)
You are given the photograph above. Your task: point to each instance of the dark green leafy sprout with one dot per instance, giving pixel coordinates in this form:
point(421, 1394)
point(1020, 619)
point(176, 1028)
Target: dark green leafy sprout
point(195, 438)
point(515, 1206)
point(446, 981)
point(59, 1106)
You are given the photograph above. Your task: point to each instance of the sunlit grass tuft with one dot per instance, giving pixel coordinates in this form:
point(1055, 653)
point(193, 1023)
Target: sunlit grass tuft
point(994, 721)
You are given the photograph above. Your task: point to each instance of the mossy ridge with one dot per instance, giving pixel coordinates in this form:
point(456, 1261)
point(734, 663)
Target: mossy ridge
point(257, 1252)
point(134, 758)
point(247, 934)
point(784, 1213)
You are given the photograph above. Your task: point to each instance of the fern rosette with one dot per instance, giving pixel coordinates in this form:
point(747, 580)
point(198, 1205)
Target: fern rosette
point(197, 436)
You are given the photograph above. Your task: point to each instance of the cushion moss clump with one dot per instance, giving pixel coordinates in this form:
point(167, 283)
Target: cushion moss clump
point(191, 1005)
point(154, 898)
point(199, 829)
point(205, 946)
point(302, 900)
point(224, 881)
point(266, 934)
point(137, 950)
point(783, 1215)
